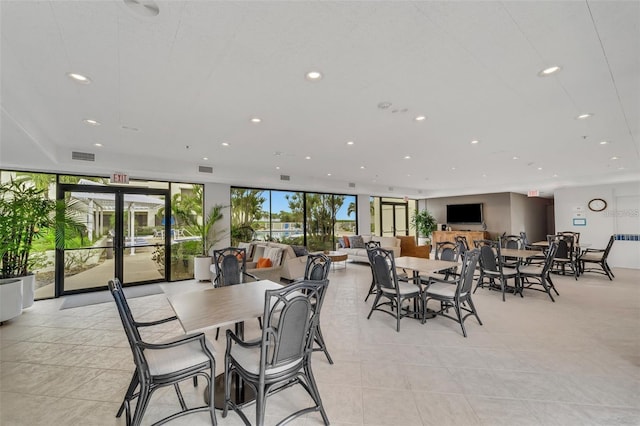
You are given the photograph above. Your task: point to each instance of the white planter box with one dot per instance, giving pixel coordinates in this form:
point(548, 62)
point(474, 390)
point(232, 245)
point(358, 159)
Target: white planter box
point(201, 268)
point(10, 298)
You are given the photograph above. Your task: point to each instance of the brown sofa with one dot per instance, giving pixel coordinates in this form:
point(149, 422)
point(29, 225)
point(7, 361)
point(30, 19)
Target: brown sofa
point(408, 247)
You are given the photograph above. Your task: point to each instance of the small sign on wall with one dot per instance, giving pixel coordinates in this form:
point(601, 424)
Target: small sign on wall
point(579, 221)
point(119, 178)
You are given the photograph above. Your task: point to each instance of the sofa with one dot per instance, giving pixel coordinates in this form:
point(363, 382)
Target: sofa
point(286, 264)
point(359, 254)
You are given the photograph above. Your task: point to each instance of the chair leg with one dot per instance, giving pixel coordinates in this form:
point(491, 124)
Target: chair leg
point(316, 393)
point(473, 308)
point(371, 289)
point(321, 343)
point(180, 398)
point(375, 303)
point(217, 332)
point(141, 406)
point(460, 320)
point(130, 391)
point(260, 406)
point(211, 386)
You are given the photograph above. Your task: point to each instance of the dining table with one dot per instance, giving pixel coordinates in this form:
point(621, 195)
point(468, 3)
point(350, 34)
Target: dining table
point(423, 265)
point(215, 307)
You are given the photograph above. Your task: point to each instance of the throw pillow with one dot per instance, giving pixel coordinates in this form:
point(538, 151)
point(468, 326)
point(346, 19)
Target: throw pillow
point(300, 250)
point(345, 239)
point(340, 243)
point(240, 256)
point(258, 252)
point(356, 241)
point(247, 247)
point(275, 254)
point(264, 262)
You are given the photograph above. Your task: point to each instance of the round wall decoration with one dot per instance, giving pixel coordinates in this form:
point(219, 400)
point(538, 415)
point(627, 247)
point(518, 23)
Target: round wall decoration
point(597, 205)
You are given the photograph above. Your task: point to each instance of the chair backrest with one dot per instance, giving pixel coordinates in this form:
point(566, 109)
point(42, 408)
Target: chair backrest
point(549, 256)
point(461, 239)
point(608, 249)
point(317, 267)
point(565, 246)
point(446, 250)
point(524, 239)
point(469, 261)
point(511, 242)
point(291, 315)
point(129, 325)
point(372, 244)
point(575, 235)
point(383, 267)
point(489, 255)
point(230, 264)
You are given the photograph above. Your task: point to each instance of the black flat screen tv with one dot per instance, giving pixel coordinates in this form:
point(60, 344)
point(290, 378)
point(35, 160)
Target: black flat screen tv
point(464, 213)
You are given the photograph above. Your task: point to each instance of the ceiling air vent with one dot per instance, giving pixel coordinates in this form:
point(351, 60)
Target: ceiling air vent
point(285, 177)
point(205, 169)
point(84, 156)
point(352, 185)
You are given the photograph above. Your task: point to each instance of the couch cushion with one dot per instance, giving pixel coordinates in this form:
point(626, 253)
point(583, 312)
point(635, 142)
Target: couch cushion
point(387, 241)
point(356, 241)
point(275, 254)
point(258, 251)
point(345, 240)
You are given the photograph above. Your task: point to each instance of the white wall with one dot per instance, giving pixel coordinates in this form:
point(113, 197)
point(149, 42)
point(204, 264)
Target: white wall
point(219, 193)
point(364, 214)
point(620, 217)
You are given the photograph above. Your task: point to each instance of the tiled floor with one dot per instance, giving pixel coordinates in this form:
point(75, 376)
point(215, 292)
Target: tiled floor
point(573, 362)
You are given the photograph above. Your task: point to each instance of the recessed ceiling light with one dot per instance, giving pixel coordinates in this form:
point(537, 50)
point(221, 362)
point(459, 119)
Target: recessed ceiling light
point(475, 141)
point(514, 157)
point(256, 120)
point(555, 175)
point(484, 176)
point(585, 115)
point(97, 144)
point(407, 157)
point(604, 142)
point(453, 168)
point(83, 79)
point(420, 118)
point(614, 158)
point(539, 168)
point(313, 76)
point(91, 122)
point(549, 71)
point(350, 142)
point(328, 174)
point(277, 167)
point(205, 158)
point(307, 158)
point(363, 167)
point(408, 175)
point(225, 144)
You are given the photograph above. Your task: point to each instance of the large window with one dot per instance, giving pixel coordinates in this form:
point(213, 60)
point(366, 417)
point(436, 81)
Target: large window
point(299, 218)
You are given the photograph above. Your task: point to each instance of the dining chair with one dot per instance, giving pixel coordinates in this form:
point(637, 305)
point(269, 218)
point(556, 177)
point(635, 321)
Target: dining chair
point(540, 274)
point(281, 357)
point(492, 267)
point(450, 252)
point(372, 288)
point(455, 293)
point(461, 239)
point(511, 242)
point(230, 265)
point(391, 293)
point(597, 257)
point(565, 254)
point(317, 269)
point(163, 364)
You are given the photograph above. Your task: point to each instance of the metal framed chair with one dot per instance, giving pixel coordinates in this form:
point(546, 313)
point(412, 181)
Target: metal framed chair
point(282, 356)
point(455, 293)
point(163, 364)
point(372, 289)
point(511, 242)
point(390, 291)
point(446, 250)
point(461, 239)
point(492, 267)
point(317, 269)
point(540, 273)
point(565, 254)
point(230, 264)
point(597, 257)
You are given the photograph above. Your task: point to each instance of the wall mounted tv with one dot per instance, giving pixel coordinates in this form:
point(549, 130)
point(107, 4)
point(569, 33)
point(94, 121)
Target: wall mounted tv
point(464, 213)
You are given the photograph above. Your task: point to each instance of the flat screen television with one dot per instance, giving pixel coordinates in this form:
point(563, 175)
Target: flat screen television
point(464, 213)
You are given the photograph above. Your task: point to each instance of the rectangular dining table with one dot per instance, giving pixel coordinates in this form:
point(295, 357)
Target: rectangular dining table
point(217, 307)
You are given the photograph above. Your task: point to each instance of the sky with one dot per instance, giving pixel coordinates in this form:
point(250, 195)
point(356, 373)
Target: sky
point(279, 203)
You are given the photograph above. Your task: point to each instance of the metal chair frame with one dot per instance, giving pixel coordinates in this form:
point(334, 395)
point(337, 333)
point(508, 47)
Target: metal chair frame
point(492, 267)
point(317, 269)
point(604, 268)
point(541, 273)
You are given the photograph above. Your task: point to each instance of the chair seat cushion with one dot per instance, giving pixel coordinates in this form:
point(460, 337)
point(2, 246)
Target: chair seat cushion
point(249, 359)
point(405, 288)
point(531, 270)
point(170, 360)
point(593, 257)
point(442, 289)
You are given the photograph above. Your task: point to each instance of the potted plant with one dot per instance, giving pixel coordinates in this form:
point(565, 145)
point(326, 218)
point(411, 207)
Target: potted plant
point(25, 212)
point(209, 237)
point(424, 223)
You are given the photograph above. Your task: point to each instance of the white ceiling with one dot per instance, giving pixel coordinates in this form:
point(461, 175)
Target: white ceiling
point(194, 75)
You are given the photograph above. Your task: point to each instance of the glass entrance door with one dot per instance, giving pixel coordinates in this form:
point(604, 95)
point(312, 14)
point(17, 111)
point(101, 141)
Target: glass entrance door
point(394, 219)
point(121, 236)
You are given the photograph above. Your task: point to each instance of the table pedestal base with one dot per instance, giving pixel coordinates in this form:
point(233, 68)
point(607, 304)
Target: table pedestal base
point(238, 396)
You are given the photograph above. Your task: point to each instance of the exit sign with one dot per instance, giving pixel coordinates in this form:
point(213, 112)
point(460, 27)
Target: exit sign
point(533, 193)
point(119, 178)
